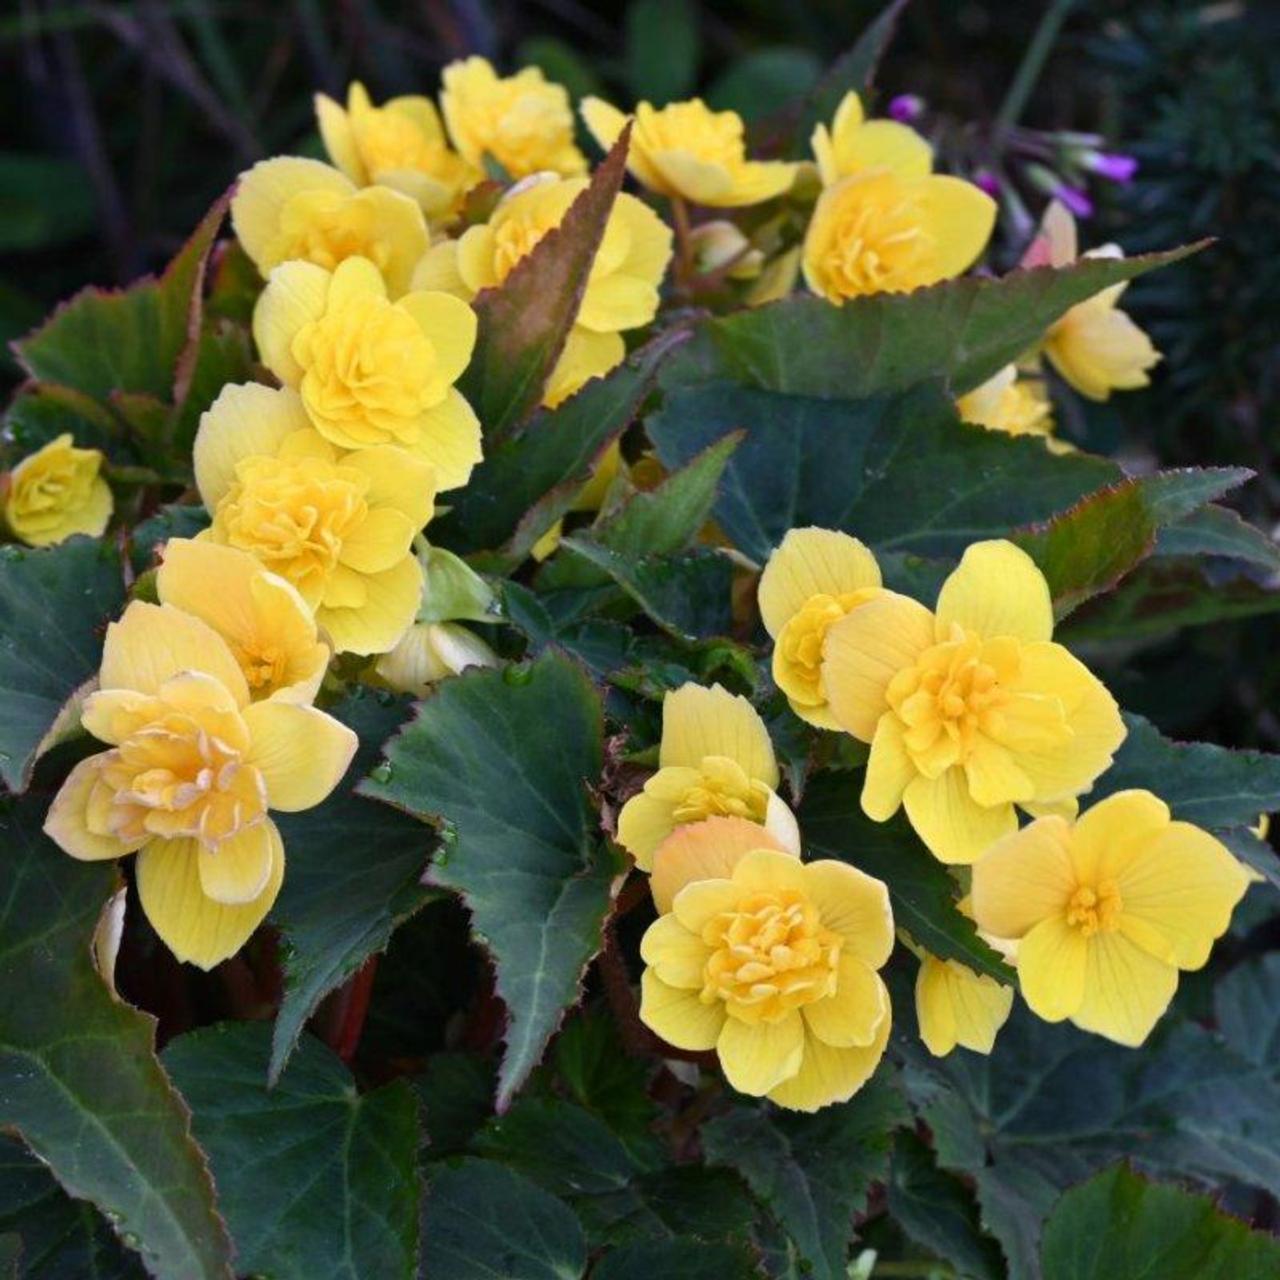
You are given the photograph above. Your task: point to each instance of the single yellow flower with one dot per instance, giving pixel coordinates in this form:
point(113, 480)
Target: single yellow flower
point(812, 579)
point(772, 963)
point(1096, 347)
point(338, 527)
point(430, 651)
point(291, 208)
point(855, 144)
point(55, 493)
point(524, 122)
point(266, 624)
point(193, 769)
point(1013, 403)
point(1107, 910)
point(878, 231)
point(688, 151)
point(972, 710)
point(715, 759)
point(371, 371)
point(400, 144)
point(956, 1006)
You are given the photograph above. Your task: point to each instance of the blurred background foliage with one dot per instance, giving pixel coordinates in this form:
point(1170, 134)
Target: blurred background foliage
point(124, 120)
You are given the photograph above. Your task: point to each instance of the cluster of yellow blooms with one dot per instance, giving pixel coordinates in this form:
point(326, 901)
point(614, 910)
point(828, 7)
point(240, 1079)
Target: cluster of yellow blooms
point(971, 711)
point(319, 486)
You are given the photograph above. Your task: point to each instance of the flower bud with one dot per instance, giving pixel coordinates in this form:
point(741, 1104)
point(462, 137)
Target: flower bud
point(430, 651)
point(1110, 165)
point(906, 108)
point(719, 244)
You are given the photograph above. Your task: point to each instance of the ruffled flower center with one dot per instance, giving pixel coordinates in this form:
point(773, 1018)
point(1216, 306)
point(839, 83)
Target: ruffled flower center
point(1095, 909)
point(878, 238)
point(710, 136)
point(798, 652)
point(723, 789)
point(327, 228)
point(390, 140)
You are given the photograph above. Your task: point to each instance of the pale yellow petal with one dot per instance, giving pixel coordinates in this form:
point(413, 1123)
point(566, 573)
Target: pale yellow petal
point(262, 193)
point(698, 722)
point(1125, 990)
point(890, 770)
point(397, 479)
point(854, 905)
point(67, 823)
point(830, 1075)
point(675, 954)
point(810, 562)
point(645, 823)
point(677, 1015)
point(764, 870)
point(604, 122)
point(851, 1015)
point(339, 139)
point(586, 355)
point(300, 751)
point(390, 604)
point(954, 826)
point(881, 144)
point(379, 542)
point(707, 850)
point(1053, 960)
point(996, 590)
point(960, 217)
point(192, 925)
point(237, 871)
point(295, 295)
point(450, 440)
point(437, 272)
point(450, 324)
point(956, 1006)
point(243, 421)
point(758, 1056)
point(865, 650)
point(1109, 835)
point(353, 279)
point(781, 824)
point(697, 180)
point(702, 900)
point(1024, 879)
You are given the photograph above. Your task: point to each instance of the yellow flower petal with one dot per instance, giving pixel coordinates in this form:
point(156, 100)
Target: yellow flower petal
point(707, 850)
point(757, 1057)
point(339, 140)
point(862, 653)
point(1099, 349)
point(1052, 962)
point(890, 771)
point(644, 824)
point(262, 193)
point(698, 902)
point(586, 355)
point(996, 590)
point(450, 324)
point(192, 925)
point(67, 823)
point(677, 1015)
point(397, 479)
point(380, 542)
point(810, 562)
point(449, 438)
point(1125, 990)
point(694, 178)
point(854, 905)
point(993, 775)
point(852, 1014)
point(961, 217)
point(956, 1006)
point(243, 421)
point(295, 295)
point(673, 953)
point(237, 871)
point(1025, 878)
point(766, 869)
point(389, 605)
point(955, 827)
point(698, 722)
point(1109, 835)
point(830, 1075)
point(300, 751)
point(437, 272)
point(152, 643)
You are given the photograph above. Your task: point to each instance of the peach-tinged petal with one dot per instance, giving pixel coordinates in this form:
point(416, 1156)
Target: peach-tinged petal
point(677, 1015)
point(1024, 879)
point(956, 828)
point(707, 850)
point(386, 612)
point(192, 925)
point(996, 590)
point(677, 956)
point(830, 1075)
point(295, 295)
point(1052, 963)
point(854, 905)
point(758, 1056)
point(1126, 989)
point(111, 715)
point(852, 1014)
point(890, 770)
point(152, 643)
point(698, 722)
point(237, 871)
point(67, 822)
point(810, 562)
point(301, 752)
point(865, 650)
point(243, 421)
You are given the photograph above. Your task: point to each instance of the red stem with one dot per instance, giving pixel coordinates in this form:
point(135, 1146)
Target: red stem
point(349, 1010)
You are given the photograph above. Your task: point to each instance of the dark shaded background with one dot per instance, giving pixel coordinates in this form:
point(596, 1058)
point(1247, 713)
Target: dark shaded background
point(123, 121)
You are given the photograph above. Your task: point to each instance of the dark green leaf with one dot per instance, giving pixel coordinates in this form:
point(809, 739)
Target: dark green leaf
point(813, 1171)
point(765, 82)
point(79, 1079)
point(54, 606)
point(355, 873)
point(314, 1178)
point(44, 201)
point(602, 1077)
point(662, 49)
point(690, 1259)
point(457, 1095)
point(176, 521)
point(483, 1221)
point(1246, 1005)
point(40, 412)
point(1118, 1224)
point(858, 466)
point(1219, 531)
point(922, 892)
point(524, 848)
point(524, 321)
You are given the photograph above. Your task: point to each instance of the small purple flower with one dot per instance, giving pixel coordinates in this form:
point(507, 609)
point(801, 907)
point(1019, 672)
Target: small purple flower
point(987, 181)
point(906, 108)
point(1110, 165)
point(1075, 199)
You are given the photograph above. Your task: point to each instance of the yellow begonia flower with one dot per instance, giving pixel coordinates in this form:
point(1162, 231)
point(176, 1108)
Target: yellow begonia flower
point(956, 1006)
point(524, 122)
point(55, 493)
point(854, 144)
point(339, 527)
point(430, 651)
point(193, 770)
point(291, 208)
point(1012, 403)
point(813, 579)
point(972, 710)
point(266, 624)
point(1107, 910)
point(881, 232)
point(1096, 347)
point(371, 371)
point(400, 144)
point(772, 963)
point(688, 151)
point(715, 758)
